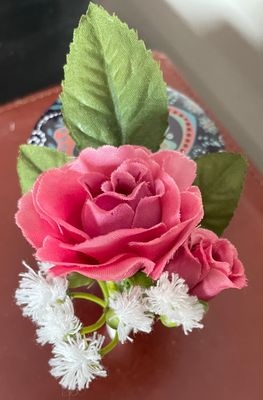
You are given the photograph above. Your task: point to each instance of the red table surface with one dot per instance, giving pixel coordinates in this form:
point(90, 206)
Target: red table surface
point(222, 361)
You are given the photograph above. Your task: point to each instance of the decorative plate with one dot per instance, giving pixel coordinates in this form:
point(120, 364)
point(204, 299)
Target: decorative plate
point(190, 130)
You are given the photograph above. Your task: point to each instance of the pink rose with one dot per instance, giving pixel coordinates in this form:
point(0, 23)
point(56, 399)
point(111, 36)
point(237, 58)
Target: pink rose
point(208, 264)
point(112, 211)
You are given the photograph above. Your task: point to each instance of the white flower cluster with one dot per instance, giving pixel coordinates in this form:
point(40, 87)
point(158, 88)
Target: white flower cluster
point(44, 299)
point(170, 300)
point(77, 361)
point(76, 358)
point(136, 308)
point(129, 308)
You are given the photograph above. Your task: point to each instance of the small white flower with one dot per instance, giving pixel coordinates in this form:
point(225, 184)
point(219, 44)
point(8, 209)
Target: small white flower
point(36, 293)
point(131, 312)
point(44, 267)
point(77, 361)
point(190, 315)
point(167, 294)
point(58, 323)
point(170, 299)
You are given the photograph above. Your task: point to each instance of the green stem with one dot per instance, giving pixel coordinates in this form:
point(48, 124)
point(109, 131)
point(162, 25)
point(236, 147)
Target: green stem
point(105, 350)
point(112, 287)
point(94, 327)
point(104, 289)
point(88, 296)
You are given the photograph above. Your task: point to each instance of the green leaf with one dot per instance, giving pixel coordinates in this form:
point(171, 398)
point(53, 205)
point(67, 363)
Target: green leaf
point(113, 90)
point(33, 160)
point(205, 305)
point(220, 178)
point(140, 279)
point(76, 280)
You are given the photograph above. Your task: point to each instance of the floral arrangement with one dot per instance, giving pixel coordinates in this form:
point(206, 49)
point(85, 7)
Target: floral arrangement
point(142, 224)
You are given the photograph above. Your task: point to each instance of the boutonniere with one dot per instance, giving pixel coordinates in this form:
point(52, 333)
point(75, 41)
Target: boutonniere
point(140, 224)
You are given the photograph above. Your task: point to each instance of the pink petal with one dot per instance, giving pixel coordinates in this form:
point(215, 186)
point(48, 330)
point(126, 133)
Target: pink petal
point(122, 182)
point(60, 197)
point(97, 250)
point(54, 251)
point(223, 250)
point(202, 252)
point(141, 170)
point(99, 222)
point(191, 202)
point(92, 182)
point(175, 238)
point(107, 186)
point(186, 266)
point(109, 200)
point(107, 246)
point(60, 194)
point(105, 159)
point(119, 268)
point(199, 233)
point(171, 201)
point(34, 228)
point(148, 213)
point(65, 230)
point(38, 208)
point(156, 248)
point(178, 166)
point(238, 276)
point(213, 284)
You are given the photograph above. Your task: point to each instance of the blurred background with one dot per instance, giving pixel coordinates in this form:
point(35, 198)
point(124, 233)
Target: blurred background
point(217, 45)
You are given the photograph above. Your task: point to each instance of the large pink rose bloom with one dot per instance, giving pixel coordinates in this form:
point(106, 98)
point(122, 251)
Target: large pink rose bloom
point(208, 264)
point(112, 212)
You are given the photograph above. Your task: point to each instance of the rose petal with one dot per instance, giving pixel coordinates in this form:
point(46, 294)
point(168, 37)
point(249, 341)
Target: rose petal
point(92, 182)
point(118, 268)
point(178, 166)
point(122, 182)
point(59, 197)
point(191, 201)
point(106, 159)
point(175, 237)
point(223, 250)
point(54, 251)
point(156, 248)
point(34, 228)
point(107, 246)
point(109, 200)
point(38, 209)
point(148, 213)
point(96, 221)
point(238, 276)
point(141, 170)
point(199, 233)
point(65, 230)
point(171, 201)
point(203, 253)
point(164, 243)
point(97, 250)
point(107, 186)
point(214, 282)
point(186, 266)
